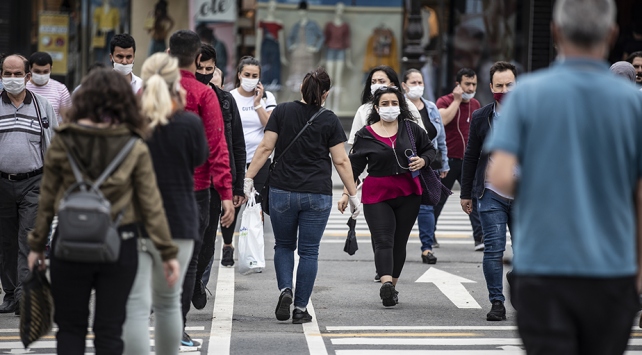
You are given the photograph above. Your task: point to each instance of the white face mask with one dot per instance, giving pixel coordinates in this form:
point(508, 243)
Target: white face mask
point(415, 92)
point(14, 86)
point(123, 69)
point(40, 79)
point(249, 84)
point(375, 87)
point(466, 96)
point(389, 113)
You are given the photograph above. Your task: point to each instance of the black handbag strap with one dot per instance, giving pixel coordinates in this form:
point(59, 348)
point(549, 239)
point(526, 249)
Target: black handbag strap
point(309, 123)
point(110, 168)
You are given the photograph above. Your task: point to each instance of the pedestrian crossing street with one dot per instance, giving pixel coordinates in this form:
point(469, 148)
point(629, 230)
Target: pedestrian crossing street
point(453, 226)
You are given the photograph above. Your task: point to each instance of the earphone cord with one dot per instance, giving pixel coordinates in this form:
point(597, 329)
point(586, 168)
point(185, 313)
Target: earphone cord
point(394, 152)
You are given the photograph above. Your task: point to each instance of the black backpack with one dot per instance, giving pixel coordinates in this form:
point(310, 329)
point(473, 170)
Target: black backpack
point(86, 232)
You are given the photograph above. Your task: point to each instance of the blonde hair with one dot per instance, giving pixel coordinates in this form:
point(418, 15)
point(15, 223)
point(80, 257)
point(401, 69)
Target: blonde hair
point(160, 76)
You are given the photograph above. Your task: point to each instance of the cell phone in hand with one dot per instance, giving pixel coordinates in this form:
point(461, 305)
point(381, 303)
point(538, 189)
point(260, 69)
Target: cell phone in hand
point(412, 155)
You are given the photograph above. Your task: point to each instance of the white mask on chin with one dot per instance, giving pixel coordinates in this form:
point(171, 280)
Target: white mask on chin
point(123, 69)
point(466, 96)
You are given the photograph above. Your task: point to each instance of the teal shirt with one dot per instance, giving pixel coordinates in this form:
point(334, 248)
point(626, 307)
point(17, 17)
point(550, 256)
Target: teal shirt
point(576, 130)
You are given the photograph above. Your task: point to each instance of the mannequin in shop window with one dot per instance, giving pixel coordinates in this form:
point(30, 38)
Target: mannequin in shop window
point(338, 53)
point(381, 49)
point(105, 25)
point(304, 40)
point(270, 49)
point(160, 28)
point(207, 35)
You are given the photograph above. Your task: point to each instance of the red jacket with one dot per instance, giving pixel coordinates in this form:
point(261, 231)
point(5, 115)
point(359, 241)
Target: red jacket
point(457, 129)
point(202, 101)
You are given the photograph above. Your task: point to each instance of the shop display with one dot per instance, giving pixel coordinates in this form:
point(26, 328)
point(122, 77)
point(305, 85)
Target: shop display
point(338, 54)
point(381, 49)
point(106, 24)
point(270, 49)
point(304, 41)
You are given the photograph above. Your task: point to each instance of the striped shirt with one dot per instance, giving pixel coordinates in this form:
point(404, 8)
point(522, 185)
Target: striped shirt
point(55, 92)
point(20, 136)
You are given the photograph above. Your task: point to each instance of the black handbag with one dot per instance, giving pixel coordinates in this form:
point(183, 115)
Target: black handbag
point(433, 189)
point(36, 307)
point(438, 163)
point(265, 191)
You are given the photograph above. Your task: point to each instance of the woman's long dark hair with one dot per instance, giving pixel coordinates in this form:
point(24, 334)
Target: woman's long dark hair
point(247, 60)
point(106, 97)
point(403, 106)
point(315, 84)
point(366, 95)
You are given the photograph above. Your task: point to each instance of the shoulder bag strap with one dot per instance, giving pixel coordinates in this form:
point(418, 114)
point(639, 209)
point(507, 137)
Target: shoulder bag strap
point(114, 163)
point(411, 136)
point(298, 135)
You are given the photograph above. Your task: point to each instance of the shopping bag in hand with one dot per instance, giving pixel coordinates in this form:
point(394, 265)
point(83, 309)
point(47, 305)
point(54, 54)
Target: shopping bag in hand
point(250, 248)
point(36, 308)
point(351, 246)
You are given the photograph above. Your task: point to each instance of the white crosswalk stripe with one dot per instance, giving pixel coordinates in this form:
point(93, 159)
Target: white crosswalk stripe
point(10, 340)
point(435, 340)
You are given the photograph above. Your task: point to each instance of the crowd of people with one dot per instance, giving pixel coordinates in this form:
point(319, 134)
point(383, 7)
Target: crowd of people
point(556, 159)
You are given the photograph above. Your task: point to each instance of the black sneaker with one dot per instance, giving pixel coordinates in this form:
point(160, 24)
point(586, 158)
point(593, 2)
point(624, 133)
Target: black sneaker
point(228, 256)
point(283, 306)
point(435, 243)
point(396, 297)
point(479, 246)
point(388, 294)
point(497, 312)
point(199, 298)
point(377, 278)
point(187, 341)
point(300, 317)
point(429, 258)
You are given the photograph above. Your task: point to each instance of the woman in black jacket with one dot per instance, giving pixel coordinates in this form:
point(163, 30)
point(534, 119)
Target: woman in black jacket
point(391, 194)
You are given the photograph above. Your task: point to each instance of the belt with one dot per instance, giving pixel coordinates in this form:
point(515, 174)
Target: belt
point(20, 176)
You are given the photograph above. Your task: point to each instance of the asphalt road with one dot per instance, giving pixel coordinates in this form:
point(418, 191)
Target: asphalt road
point(442, 308)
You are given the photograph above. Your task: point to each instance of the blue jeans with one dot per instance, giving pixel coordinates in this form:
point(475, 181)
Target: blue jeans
point(308, 214)
point(426, 221)
point(495, 212)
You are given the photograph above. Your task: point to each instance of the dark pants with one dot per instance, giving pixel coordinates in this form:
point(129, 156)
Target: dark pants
point(18, 209)
point(449, 181)
point(206, 254)
point(574, 315)
point(71, 285)
point(390, 223)
point(203, 202)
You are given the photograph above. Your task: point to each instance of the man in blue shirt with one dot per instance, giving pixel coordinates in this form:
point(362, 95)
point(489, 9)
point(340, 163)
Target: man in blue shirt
point(575, 131)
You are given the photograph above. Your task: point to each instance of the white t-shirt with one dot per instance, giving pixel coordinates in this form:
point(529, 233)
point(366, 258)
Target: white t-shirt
point(55, 92)
point(253, 130)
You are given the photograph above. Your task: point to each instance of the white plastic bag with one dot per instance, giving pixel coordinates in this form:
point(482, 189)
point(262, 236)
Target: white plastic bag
point(250, 248)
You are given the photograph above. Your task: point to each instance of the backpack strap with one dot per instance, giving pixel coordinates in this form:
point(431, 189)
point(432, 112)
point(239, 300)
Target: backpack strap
point(77, 174)
point(114, 163)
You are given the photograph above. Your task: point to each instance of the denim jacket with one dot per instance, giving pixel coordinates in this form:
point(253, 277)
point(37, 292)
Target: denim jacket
point(439, 142)
point(313, 35)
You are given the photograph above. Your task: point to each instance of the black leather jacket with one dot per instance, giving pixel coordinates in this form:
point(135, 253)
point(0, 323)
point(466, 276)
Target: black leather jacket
point(473, 175)
point(379, 157)
point(234, 137)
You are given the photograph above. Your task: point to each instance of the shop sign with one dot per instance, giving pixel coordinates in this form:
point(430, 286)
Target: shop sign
point(53, 38)
point(215, 10)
